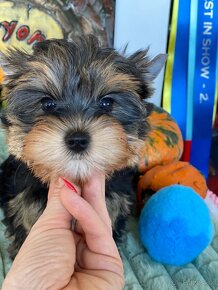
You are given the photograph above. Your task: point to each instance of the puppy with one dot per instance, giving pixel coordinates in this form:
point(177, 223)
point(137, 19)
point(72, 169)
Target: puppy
point(72, 107)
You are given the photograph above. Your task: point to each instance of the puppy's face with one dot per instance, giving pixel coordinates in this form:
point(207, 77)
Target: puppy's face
point(73, 107)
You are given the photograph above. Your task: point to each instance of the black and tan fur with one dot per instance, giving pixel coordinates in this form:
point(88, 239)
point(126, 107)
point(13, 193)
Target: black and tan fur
point(71, 107)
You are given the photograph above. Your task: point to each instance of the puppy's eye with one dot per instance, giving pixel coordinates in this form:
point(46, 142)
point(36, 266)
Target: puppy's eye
point(106, 104)
point(48, 105)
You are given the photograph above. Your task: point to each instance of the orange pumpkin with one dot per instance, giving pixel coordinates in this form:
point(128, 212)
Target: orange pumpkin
point(174, 173)
point(163, 144)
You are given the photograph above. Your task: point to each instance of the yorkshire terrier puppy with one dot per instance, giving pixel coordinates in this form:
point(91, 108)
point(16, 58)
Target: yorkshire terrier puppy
point(72, 107)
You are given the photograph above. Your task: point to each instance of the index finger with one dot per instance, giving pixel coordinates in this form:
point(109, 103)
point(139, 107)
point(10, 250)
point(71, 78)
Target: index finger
point(94, 193)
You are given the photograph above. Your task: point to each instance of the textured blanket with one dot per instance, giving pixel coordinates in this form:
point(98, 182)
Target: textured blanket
point(141, 271)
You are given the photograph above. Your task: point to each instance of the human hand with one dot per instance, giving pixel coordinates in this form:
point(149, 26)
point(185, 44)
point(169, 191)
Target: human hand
point(56, 257)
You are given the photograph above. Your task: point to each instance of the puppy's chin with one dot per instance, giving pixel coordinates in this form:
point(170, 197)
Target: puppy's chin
point(78, 172)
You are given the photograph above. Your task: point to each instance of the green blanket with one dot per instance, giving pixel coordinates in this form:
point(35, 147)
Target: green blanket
point(3, 150)
point(141, 271)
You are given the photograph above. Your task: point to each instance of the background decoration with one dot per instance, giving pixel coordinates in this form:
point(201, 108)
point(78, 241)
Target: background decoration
point(23, 23)
point(21, 20)
point(190, 80)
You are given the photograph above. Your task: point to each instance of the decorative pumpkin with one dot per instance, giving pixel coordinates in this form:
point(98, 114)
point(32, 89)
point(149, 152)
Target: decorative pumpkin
point(174, 173)
point(163, 144)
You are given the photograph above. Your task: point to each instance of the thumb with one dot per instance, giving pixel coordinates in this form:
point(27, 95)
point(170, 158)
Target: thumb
point(55, 214)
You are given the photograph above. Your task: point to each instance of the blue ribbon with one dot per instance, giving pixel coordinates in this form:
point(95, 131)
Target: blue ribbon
point(204, 83)
point(180, 68)
point(191, 68)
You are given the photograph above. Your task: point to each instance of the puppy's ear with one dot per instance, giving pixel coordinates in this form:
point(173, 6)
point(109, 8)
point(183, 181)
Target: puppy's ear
point(155, 66)
point(13, 61)
point(149, 68)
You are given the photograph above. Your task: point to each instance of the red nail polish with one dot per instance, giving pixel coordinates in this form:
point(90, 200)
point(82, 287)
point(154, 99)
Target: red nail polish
point(69, 185)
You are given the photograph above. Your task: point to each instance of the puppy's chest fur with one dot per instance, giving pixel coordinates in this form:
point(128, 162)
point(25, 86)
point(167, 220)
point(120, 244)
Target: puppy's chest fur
point(23, 198)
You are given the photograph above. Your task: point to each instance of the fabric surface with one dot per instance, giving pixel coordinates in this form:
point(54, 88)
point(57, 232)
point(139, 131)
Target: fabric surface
point(3, 150)
point(141, 272)
point(5, 261)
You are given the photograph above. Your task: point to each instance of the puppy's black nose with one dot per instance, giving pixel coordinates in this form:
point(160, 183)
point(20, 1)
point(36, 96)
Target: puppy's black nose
point(77, 141)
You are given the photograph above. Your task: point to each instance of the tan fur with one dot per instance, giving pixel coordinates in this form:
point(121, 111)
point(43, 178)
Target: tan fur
point(47, 74)
point(15, 136)
point(135, 147)
point(117, 205)
point(121, 82)
point(109, 78)
point(22, 213)
point(45, 151)
point(41, 74)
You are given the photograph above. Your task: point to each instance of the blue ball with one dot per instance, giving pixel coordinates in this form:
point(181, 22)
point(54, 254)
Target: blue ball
point(175, 225)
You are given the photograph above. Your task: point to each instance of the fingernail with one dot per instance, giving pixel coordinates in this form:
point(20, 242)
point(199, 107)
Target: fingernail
point(69, 185)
